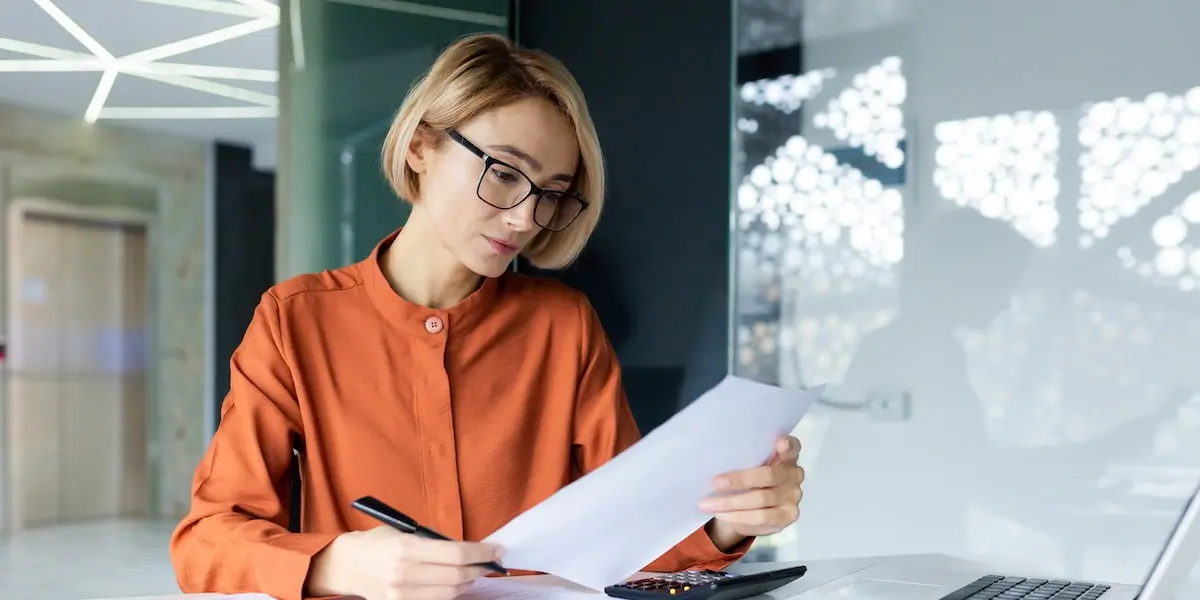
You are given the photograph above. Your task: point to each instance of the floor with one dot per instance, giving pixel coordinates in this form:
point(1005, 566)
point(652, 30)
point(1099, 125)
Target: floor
point(87, 560)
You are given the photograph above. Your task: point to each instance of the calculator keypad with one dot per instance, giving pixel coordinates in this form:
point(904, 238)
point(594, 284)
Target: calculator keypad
point(676, 583)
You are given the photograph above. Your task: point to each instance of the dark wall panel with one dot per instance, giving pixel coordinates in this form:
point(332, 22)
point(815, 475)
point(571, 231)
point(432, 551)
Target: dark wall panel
point(244, 253)
point(659, 82)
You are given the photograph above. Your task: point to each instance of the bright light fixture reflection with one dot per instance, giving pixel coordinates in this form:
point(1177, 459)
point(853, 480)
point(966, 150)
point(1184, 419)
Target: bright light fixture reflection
point(813, 207)
point(1005, 166)
point(1134, 150)
point(786, 93)
point(1176, 256)
point(822, 219)
point(869, 114)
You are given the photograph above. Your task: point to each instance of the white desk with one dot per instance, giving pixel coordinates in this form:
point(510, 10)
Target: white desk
point(819, 572)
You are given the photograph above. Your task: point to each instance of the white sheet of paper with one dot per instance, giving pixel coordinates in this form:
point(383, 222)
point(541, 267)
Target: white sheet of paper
point(201, 597)
point(505, 588)
point(613, 522)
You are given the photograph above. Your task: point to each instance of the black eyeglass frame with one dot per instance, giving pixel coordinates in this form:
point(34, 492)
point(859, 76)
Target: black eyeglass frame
point(534, 190)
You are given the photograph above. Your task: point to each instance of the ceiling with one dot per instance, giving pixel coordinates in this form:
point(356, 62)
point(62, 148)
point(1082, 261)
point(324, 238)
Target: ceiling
point(200, 68)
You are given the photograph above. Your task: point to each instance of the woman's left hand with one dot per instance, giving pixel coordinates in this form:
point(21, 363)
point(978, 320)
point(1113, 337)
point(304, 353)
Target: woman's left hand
point(757, 501)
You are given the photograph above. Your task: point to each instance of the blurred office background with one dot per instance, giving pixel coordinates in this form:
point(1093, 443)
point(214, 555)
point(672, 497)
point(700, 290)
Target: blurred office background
point(972, 220)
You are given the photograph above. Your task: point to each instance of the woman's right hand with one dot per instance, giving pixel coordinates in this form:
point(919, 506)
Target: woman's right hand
point(385, 564)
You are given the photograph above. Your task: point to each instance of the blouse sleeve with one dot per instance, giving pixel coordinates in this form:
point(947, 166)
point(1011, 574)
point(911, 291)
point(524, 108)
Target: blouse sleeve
point(604, 427)
point(234, 538)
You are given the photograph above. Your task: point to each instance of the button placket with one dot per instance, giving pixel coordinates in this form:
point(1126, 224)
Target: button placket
point(440, 462)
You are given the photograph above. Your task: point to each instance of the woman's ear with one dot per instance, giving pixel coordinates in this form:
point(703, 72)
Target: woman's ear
point(419, 149)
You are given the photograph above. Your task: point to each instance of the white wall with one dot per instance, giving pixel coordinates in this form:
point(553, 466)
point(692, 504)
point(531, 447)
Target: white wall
point(1061, 435)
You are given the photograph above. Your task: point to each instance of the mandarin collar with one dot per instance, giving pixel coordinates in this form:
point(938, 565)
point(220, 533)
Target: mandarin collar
point(414, 319)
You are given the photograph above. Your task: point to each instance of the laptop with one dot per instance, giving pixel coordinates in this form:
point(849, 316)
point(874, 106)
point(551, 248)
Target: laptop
point(897, 582)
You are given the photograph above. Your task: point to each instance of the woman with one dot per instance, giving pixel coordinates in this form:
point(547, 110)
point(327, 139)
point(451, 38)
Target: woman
point(432, 378)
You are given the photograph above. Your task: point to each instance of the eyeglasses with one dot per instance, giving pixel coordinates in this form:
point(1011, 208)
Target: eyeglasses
point(504, 186)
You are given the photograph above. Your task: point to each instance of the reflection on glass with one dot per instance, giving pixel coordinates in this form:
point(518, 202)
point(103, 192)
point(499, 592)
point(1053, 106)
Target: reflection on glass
point(819, 212)
point(787, 92)
point(1022, 267)
point(868, 114)
point(1004, 166)
point(1134, 150)
point(346, 68)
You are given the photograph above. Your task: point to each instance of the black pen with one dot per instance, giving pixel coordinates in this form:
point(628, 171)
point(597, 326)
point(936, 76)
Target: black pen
point(382, 512)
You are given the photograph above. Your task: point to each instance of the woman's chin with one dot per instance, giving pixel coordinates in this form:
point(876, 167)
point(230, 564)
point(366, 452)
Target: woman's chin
point(489, 266)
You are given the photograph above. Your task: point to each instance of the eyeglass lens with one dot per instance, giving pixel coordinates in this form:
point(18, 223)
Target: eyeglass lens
point(505, 187)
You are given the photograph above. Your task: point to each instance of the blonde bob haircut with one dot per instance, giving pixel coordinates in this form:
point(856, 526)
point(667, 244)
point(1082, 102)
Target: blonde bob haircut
point(482, 72)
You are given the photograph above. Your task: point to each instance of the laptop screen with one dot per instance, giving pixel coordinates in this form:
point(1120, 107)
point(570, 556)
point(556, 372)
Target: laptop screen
point(1177, 557)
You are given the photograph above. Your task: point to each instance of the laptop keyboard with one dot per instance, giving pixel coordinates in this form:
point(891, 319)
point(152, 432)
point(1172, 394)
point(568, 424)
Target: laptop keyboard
point(997, 587)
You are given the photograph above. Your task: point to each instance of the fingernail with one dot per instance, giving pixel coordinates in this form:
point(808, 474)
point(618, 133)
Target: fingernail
point(708, 504)
point(721, 484)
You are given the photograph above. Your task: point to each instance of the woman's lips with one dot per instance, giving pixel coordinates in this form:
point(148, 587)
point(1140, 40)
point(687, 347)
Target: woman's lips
point(501, 247)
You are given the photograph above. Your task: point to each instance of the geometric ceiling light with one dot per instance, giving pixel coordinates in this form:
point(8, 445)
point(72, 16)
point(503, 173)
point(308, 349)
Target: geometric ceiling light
point(147, 64)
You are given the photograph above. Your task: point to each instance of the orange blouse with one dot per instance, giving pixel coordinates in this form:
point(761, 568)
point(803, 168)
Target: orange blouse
point(462, 418)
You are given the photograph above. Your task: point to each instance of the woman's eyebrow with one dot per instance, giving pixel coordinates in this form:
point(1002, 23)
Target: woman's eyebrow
point(518, 153)
point(529, 160)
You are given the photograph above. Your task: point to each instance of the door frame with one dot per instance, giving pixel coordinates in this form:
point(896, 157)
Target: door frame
point(16, 211)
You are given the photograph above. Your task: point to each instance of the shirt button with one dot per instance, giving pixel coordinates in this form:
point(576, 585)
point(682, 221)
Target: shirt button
point(434, 325)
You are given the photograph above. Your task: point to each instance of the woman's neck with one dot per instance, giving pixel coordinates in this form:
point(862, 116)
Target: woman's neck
point(422, 270)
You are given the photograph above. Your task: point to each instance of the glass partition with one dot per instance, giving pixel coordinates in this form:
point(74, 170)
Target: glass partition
point(974, 223)
point(345, 68)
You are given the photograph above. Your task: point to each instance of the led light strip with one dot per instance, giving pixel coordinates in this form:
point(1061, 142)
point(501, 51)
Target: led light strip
point(41, 51)
point(213, 6)
point(99, 51)
point(212, 87)
point(210, 71)
point(203, 40)
point(82, 65)
point(74, 29)
point(51, 66)
point(144, 64)
point(101, 96)
point(297, 34)
point(264, 7)
point(199, 112)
